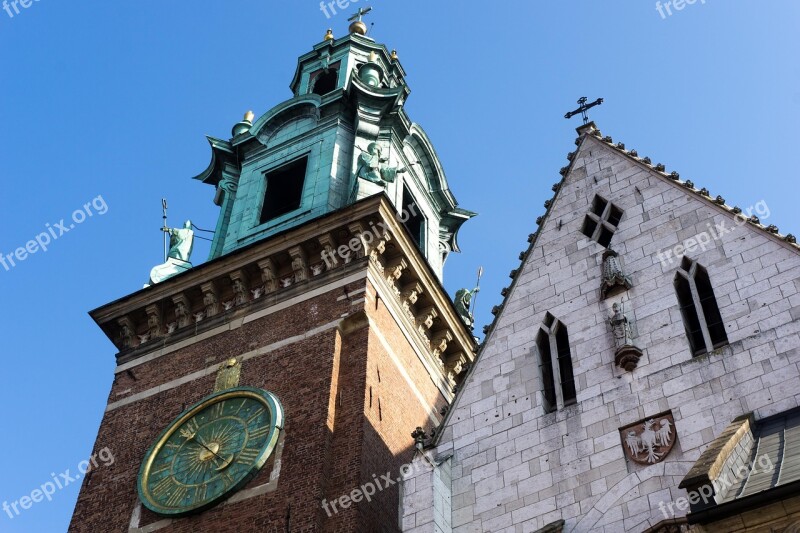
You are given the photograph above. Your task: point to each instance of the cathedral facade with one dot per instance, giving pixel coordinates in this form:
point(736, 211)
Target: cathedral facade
point(640, 375)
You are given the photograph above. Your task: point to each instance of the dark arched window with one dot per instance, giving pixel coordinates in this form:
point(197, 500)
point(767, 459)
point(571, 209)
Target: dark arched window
point(325, 82)
point(558, 380)
point(701, 317)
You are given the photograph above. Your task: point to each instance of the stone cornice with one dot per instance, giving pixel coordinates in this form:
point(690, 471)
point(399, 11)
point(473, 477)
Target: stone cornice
point(290, 264)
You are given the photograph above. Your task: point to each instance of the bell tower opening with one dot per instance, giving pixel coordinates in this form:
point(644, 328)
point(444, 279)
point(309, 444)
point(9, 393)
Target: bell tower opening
point(325, 82)
point(413, 220)
point(284, 191)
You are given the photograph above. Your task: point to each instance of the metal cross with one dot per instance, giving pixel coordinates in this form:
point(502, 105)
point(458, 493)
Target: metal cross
point(361, 12)
point(584, 107)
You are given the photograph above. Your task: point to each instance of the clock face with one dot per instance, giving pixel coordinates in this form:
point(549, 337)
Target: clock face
point(210, 451)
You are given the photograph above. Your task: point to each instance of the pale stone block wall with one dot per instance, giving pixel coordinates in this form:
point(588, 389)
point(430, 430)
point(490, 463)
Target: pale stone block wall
point(517, 468)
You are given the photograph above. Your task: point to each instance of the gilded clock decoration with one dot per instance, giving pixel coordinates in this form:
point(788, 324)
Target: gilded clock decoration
point(211, 450)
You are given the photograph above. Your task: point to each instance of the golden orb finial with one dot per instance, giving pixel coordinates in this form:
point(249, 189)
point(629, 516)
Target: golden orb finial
point(249, 116)
point(329, 35)
point(358, 27)
point(394, 55)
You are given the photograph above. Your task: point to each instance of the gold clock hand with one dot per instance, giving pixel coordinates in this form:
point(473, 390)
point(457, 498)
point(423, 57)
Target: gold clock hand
point(192, 436)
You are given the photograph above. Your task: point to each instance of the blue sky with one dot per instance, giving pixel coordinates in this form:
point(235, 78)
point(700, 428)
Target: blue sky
point(113, 100)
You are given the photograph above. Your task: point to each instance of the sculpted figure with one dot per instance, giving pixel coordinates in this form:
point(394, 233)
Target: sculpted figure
point(462, 303)
point(372, 166)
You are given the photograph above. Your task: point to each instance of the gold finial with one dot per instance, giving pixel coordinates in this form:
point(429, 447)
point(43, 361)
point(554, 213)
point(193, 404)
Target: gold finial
point(358, 27)
point(249, 116)
point(394, 55)
point(329, 36)
point(373, 57)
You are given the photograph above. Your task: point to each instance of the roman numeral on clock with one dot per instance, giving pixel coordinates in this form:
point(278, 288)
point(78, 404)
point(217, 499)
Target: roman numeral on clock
point(177, 497)
point(259, 433)
point(160, 489)
point(247, 456)
point(200, 493)
point(255, 415)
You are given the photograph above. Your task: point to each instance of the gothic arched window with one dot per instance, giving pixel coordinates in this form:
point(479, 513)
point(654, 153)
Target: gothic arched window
point(558, 380)
point(701, 317)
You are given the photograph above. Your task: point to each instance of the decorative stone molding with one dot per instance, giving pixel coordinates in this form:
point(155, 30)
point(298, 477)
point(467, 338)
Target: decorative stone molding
point(182, 310)
point(409, 295)
point(268, 275)
point(328, 245)
point(210, 299)
point(299, 264)
point(239, 284)
point(454, 366)
point(393, 269)
point(614, 278)
point(137, 324)
point(425, 320)
point(440, 341)
point(127, 332)
point(154, 322)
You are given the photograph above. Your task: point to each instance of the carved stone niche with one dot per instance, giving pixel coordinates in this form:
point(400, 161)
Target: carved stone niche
point(614, 278)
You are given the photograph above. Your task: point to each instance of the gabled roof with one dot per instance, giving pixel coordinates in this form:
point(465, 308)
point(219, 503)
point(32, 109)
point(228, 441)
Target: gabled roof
point(659, 169)
point(584, 132)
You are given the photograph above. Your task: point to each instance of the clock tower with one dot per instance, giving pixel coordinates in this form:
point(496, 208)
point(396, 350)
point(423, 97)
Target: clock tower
point(266, 388)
